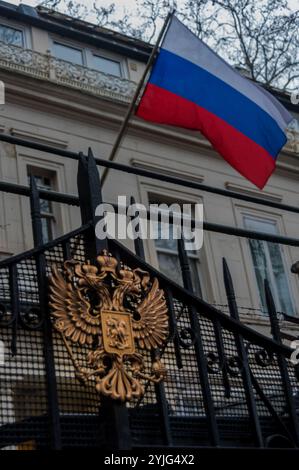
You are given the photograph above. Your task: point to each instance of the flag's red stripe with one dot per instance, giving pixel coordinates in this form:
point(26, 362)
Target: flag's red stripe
point(245, 155)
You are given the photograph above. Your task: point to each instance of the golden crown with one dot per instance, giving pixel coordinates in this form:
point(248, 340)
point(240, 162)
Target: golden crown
point(107, 262)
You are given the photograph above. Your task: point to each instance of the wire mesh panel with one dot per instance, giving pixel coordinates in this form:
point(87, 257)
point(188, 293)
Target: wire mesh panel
point(78, 403)
point(175, 412)
point(183, 390)
point(24, 407)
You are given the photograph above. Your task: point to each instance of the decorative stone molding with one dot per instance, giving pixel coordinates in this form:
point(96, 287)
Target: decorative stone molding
point(24, 60)
point(253, 192)
point(47, 67)
point(45, 139)
point(91, 80)
point(187, 175)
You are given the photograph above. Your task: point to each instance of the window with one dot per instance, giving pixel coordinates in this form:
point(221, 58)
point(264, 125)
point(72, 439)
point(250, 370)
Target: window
point(268, 264)
point(186, 405)
point(11, 35)
point(190, 406)
point(87, 57)
point(44, 180)
point(68, 53)
point(168, 258)
point(107, 65)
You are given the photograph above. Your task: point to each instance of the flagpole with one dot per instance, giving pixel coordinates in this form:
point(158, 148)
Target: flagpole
point(131, 108)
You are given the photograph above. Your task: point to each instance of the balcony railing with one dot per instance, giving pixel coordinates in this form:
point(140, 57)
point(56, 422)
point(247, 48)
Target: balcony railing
point(47, 67)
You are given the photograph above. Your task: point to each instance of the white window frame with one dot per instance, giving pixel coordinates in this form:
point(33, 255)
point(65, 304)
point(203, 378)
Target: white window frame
point(52, 176)
point(145, 191)
point(269, 262)
point(90, 52)
point(241, 211)
point(170, 252)
point(70, 44)
point(20, 27)
point(61, 212)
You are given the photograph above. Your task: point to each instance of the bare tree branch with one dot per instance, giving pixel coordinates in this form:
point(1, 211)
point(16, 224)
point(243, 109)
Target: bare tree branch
point(262, 37)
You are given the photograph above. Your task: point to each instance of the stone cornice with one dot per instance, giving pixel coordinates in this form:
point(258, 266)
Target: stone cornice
point(269, 196)
point(44, 139)
point(163, 169)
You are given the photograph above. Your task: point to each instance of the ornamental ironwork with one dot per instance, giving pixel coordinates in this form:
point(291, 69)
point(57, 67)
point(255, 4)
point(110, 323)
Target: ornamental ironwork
point(119, 316)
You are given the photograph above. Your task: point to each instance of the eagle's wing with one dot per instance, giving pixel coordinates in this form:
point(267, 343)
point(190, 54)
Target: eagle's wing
point(151, 329)
point(71, 310)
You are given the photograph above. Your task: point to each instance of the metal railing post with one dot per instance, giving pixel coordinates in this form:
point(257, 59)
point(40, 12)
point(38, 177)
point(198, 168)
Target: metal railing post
point(15, 304)
point(275, 330)
point(199, 350)
point(159, 387)
point(251, 405)
point(114, 414)
point(55, 429)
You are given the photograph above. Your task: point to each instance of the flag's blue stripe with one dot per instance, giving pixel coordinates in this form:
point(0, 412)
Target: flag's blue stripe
point(195, 84)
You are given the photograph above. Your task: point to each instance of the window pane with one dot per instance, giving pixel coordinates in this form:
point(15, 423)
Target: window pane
point(280, 279)
point(106, 65)
point(43, 182)
point(47, 217)
point(170, 266)
point(167, 251)
point(71, 54)
point(193, 263)
point(164, 235)
point(45, 206)
point(259, 225)
point(261, 268)
point(11, 36)
point(47, 229)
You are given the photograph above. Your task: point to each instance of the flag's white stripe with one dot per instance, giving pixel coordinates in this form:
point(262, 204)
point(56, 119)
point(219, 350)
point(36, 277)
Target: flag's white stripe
point(181, 41)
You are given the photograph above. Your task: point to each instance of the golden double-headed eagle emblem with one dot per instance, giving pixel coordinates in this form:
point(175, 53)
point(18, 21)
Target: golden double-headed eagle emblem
point(118, 315)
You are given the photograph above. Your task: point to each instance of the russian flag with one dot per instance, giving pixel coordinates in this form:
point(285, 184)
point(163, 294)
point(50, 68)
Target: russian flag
point(192, 87)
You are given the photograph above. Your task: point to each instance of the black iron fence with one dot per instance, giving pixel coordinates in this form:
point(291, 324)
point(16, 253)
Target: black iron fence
point(227, 385)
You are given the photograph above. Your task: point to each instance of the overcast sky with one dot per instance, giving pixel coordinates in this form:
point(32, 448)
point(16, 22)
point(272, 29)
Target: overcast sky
point(129, 4)
point(119, 3)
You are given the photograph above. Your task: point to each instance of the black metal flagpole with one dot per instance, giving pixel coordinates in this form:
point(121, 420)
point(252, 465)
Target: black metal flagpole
point(131, 108)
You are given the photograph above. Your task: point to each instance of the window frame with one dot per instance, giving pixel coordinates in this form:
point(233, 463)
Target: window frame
point(147, 190)
point(70, 45)
point(87, 54)
point(269, 261)
point(27, 43)
point(243, 210)
point(25, 158)
point(49, 217)
point(171, 200)
point(91, 53)
point(123, 61)
point(191, 255)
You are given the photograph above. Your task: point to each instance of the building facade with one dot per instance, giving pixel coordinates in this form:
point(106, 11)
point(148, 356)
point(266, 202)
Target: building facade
point(68, 84)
